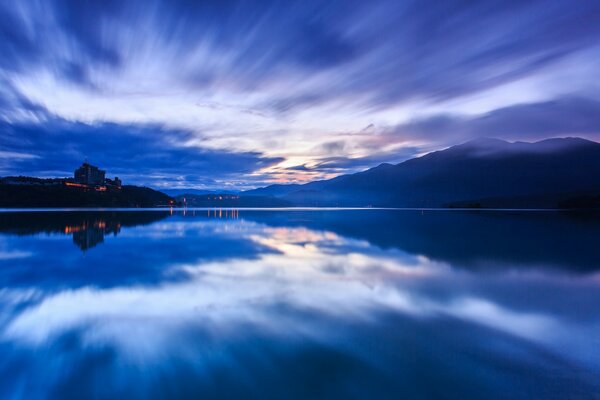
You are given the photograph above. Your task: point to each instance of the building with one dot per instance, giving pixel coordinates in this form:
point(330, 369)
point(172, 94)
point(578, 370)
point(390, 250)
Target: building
point(90, 175)
point(114, 183)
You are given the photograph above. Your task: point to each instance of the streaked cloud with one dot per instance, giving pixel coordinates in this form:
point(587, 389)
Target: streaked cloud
point(145, 154)
point(575, 116)
point(295, 81)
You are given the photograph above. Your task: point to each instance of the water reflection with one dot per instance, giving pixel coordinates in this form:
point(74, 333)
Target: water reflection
point(470, 239)
point(300, 304)
point(87, 228)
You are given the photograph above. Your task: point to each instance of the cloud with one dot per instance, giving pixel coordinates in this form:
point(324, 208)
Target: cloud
point(445, 50)
point(361, 163)
point(566, 116)
point(387, 50)
point(142, 154)
point(238, 71)
point(302, 168)
point(14, 105)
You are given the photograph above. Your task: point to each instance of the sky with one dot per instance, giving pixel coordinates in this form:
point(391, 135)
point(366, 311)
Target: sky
point(239, 94)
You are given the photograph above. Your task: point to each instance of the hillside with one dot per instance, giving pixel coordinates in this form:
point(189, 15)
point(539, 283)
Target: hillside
point(34, 196)
point(480, 173)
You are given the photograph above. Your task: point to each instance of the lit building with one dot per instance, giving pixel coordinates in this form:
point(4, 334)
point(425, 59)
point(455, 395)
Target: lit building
point(89, 174)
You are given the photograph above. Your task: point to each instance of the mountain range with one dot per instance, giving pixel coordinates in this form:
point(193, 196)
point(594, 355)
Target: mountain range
point(484, 172)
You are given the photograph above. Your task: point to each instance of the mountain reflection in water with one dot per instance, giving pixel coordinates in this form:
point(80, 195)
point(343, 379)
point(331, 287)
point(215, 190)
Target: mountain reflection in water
point(299, 304)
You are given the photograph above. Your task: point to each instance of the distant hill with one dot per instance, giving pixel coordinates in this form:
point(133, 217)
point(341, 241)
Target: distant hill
point(481, 173)
point(274, 190)
point(229, 200)
point(200, 192)
point(47, 193)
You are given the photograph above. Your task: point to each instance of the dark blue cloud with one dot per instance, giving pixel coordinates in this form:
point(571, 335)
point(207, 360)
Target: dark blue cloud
point(302, 168)
point(565, 116)
point(17, 46)
point(442, 50)
point(142, 154)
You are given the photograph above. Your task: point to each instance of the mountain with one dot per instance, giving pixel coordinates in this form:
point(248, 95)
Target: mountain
point(479, 173)
point(274, 190)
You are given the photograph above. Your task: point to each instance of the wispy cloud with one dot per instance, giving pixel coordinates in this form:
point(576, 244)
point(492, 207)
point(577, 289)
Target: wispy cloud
point(575, 116)
point(286, 80)
point(144, 154)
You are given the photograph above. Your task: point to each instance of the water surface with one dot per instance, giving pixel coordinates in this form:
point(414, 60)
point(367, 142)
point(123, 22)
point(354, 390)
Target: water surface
point(232, 304)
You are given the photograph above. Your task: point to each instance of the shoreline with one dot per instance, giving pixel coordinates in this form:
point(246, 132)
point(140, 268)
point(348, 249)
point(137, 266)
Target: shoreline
point(185, 209)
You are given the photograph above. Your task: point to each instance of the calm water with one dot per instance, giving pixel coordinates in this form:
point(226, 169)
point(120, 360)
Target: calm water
point(299, 304)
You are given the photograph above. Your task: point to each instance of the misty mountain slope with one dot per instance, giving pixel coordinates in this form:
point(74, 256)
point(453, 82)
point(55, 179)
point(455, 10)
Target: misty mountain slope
point(274, 190)
point(479, 169)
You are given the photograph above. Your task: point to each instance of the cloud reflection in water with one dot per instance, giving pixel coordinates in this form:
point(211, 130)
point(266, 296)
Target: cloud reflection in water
point(264, 308)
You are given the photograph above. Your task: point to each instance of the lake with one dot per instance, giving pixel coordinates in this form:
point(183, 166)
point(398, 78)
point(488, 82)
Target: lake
point(299, 304)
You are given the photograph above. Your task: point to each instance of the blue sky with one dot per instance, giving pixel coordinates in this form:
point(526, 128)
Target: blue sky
point(238, 94)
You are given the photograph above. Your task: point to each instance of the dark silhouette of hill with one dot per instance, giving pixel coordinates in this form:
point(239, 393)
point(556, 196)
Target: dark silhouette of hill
point(480, 173)
point(31, 195)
